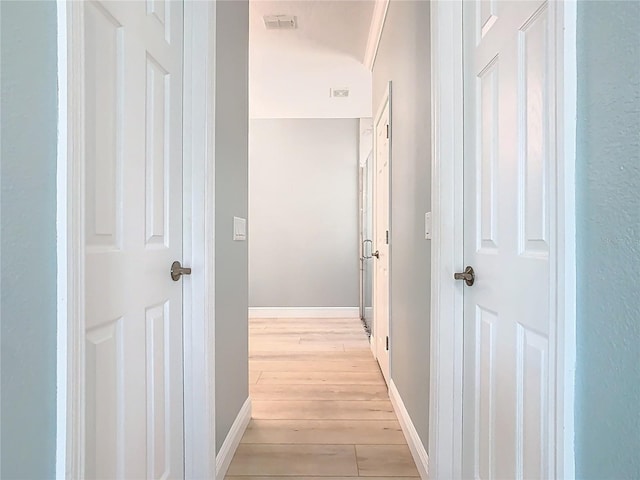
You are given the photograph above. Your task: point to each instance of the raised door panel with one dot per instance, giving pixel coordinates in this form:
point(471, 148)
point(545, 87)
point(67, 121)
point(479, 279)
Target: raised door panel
point(487, 165)
point(534, 98)
point(157, 150)
point(485, 386)
point(104, 401)
point(487, 18)
point(160, 12)
point(532, 404)
point(103, 128)
point(158, 379)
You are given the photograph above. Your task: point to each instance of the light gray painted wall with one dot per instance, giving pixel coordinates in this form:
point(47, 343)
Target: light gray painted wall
point(28, 239)
point(608, 247)
point(403, 57)
point(231, 258)
point(303, 242)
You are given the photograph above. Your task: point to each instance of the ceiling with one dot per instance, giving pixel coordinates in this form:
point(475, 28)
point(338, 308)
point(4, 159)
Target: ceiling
point(338, 25)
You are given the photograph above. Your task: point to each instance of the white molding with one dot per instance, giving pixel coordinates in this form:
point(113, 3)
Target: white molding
point(71, 250)
point(373, 346)
point(566, 86)
point(375, 32)
point(410, 433)
point(446, 361)
point(62, 228)
point(230, 444)
point(445, 436)
point(304, 312)
point(198, 248)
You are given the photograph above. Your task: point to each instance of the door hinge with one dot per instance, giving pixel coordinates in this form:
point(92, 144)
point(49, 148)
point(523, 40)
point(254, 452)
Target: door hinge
point(387, 131)
point(387, 343)
point(387, 237)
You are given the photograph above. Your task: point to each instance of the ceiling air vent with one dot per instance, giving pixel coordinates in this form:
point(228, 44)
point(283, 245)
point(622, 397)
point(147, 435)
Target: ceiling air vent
point(339, 92)
point(280, 22)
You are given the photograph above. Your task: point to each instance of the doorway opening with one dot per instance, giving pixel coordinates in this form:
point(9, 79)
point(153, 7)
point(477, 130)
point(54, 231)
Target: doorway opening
point(316, 230)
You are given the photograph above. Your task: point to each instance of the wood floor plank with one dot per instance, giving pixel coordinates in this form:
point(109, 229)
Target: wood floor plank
point(307, 478)
point(280, 338)
point(314, 366)
point(269, 346)
point(294, 460)
point(311, 356)
point(334, 336)
point(327, 378)
point(308, 328)
point(306, 321)
point(318, 392)
point(323, 410)
point(392, 460)
point(336, 432)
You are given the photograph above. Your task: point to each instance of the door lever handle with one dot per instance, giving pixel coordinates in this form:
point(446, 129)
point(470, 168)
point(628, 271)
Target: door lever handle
point(177, 270)
point(468, 276)
point(376, 254)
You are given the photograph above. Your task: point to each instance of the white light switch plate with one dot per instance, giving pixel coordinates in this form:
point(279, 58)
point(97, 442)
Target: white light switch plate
point(427, 225)
point(239, 229)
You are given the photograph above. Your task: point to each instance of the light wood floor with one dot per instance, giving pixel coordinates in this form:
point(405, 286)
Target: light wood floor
point(320, 406)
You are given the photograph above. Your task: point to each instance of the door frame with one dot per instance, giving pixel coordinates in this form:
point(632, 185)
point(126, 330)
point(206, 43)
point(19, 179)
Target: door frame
point(446, 357)
point(198, 247)
point(386, 102)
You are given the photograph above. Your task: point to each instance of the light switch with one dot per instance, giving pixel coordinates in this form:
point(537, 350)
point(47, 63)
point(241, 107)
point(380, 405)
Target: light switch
point(427, 225)
point(239, 229)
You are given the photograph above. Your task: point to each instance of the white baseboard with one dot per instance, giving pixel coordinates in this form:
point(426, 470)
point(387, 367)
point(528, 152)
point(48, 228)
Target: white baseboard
point(410, 433)
point(230, 445)
point(304, 312)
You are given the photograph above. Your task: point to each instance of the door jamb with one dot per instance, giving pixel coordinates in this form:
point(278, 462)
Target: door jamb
point(199, 234)
point(199, 164)
point(445, 406)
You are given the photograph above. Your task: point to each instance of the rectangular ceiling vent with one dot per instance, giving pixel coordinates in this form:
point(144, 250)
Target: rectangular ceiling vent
point(339, 92)
point(280, 22)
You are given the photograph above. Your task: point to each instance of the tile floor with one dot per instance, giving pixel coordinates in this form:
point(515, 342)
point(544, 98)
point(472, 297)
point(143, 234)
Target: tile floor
point(320, 406)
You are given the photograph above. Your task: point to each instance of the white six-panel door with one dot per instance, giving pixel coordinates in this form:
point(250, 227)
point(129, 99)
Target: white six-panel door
point(509, 156)
point(381, 231)
point(133, 217)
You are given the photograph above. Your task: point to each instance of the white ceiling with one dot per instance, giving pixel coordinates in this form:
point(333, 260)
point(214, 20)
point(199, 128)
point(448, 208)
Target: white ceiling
point(291, 71)
point(339, 25)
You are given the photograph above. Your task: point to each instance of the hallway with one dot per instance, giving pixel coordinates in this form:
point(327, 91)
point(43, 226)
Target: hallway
point(320, 405)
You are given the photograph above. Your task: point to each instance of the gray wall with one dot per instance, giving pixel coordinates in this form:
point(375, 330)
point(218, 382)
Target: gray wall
point(231, 261)
point(403, 57)
point(608, 223)
point(303, 196)
point(28, 243)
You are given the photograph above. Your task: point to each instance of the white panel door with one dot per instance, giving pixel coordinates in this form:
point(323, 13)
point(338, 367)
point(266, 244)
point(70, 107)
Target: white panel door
point(133, 232)
point(381, 228)
point(509, 156)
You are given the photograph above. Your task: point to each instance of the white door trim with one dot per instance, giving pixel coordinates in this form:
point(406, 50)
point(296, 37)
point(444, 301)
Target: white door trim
point(445, 412)
point(445, 404)
point(198, 155)
point(199, 235)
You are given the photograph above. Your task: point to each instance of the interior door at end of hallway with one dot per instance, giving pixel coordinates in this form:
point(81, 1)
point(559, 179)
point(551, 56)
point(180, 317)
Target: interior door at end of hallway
point(381, 304)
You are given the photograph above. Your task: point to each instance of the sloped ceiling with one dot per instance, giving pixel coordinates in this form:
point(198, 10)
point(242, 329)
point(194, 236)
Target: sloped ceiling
point(291, 71)
point(339, 25)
